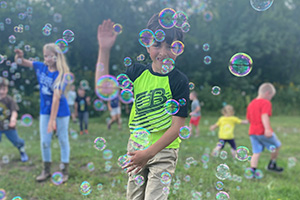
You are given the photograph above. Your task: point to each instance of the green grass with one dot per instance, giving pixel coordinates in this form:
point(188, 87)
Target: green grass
point(18, 179)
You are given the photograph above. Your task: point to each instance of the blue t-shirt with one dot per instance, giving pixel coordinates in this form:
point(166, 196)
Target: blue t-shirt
point(46, 80)
point(114, 103)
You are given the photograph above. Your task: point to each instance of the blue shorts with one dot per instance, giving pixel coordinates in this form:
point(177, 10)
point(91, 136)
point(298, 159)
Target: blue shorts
point(259, 142)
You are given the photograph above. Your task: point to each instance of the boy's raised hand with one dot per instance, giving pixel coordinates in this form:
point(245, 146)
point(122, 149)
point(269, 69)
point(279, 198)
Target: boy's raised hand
point(106, 35)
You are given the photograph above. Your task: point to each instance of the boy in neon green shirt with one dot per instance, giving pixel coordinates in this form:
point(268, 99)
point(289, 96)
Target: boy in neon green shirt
point(226, 125)
point(152, 89)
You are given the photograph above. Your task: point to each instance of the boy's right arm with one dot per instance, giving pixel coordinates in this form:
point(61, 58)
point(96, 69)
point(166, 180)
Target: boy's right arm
point(20, 60)
point(267, 125)
point(75, 109)
point(106, 39)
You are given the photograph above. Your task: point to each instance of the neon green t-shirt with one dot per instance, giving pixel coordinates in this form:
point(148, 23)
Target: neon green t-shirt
point(151, 91)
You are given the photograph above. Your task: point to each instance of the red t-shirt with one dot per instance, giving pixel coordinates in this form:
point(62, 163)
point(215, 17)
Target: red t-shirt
point(255, 109)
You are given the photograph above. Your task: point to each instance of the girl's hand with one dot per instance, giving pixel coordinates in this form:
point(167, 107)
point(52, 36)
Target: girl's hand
point(51, 126)
point(106, 35)
point(19, 54)
point(12, 123)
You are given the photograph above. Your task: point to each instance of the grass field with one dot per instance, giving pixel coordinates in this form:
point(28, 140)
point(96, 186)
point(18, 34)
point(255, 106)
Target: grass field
point(18, 179)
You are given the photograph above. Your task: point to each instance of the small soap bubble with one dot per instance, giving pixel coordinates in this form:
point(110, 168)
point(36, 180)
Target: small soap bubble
point(208, 16)
point(90, 166)
point(12, 39)
point(2, 194)
point(140, 57)
point(146, 38)
point(185, 27)
point(184, 132)
point(272, 148)
point(26, 120)
point(207, 60)
point(205, 158)
point(222, 195)
point(107, 87)
point(85, 188)
point(63, 45)
point(261, 5)
point(216, 90)
point(166, 19)
point(127, 61)
point(98, 105)
point(159, 35)
point(68, 35)
point(57, 18)
point(168, 64)
point(182, 102)
point(206, 47)
point(165, 178)
point(223, 155)
point(118, 28)
point(123, 160)
point(249, 173)
point(69, 78)
point(17, 198)
point(107, 154)
point(180, 18)
point(172, 106)
point(242, 153)
point(240, 64)
point(126, 96)
point(138, 180)
point(57, 178)
point(99, 186)
point(222, 171)
point(191, 85)
point(258, 174)
point(177, 48)
point(219, 185)
point(140, 139)
point(100, 143)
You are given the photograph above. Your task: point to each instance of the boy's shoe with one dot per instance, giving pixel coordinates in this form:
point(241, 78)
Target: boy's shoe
point(24, 157)
point(273, 167)
point(86, 131)
point(108, 126)
point(65, 171)
point(81, 132)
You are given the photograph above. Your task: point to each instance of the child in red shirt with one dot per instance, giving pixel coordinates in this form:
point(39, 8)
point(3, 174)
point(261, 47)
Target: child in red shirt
point(261, 133)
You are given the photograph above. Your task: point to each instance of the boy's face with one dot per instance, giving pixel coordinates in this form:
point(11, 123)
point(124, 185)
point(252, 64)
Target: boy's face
point(49, 58)
point(158, 52)
point(191, 96)
point(3, 91)
point(81, 92)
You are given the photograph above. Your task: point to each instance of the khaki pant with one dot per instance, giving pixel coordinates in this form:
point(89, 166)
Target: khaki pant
point(152, 189)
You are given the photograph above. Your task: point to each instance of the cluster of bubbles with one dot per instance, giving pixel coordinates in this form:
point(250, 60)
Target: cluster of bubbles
point(140, 57)
point(168, 18)
point(168, 64)
point(140, 139)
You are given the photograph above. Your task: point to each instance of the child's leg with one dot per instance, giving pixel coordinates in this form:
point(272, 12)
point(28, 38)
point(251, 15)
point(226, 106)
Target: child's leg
point(254, 160)
point(164, 161)
point(233, 147)
point(80, 117)
point(86, 120)
point(12, 136)
point(63, 137)
point(45, 138)
point(197, 130)
point(216, 150)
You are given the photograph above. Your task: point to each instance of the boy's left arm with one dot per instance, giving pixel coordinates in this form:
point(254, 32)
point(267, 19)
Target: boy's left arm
point(13, 119)
point(140, 158)
point(88, 100)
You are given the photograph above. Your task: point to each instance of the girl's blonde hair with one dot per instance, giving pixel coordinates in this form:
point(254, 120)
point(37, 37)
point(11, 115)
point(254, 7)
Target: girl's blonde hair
point(228, 110)
point(61, 65)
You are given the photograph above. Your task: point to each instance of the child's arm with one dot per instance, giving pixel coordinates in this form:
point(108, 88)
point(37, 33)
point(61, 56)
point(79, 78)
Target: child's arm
point(54, 110)
point(140, 158)
point(76, 109)
point(20, 55)
point(267, 125)
point(106, 39)
point(108, 105)
point(13, 119)
point(88, 100)
point(245, 122)
point(213, 127)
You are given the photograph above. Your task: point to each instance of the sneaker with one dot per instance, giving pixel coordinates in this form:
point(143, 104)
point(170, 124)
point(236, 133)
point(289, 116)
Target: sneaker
point(81, 132)
point(108, 126)
point(273, 167)
point(86, 131)
point(24, 157)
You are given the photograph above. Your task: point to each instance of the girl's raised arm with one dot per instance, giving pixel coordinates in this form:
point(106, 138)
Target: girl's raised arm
point(20, 60)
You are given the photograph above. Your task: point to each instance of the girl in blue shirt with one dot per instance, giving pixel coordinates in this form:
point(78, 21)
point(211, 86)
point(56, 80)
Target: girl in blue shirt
point(54, 110)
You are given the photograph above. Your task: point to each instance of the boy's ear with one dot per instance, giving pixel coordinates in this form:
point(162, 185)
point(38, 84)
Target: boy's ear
point(148, 49)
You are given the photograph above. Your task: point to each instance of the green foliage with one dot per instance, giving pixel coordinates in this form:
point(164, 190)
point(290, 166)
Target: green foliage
point(269, 37)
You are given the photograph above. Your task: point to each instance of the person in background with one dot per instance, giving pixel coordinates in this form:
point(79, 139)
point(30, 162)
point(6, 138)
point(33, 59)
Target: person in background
point(81, 109)
point(71, 96)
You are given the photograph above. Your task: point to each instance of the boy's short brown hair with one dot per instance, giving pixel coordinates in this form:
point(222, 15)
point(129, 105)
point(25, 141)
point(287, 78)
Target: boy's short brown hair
point(4, 82)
